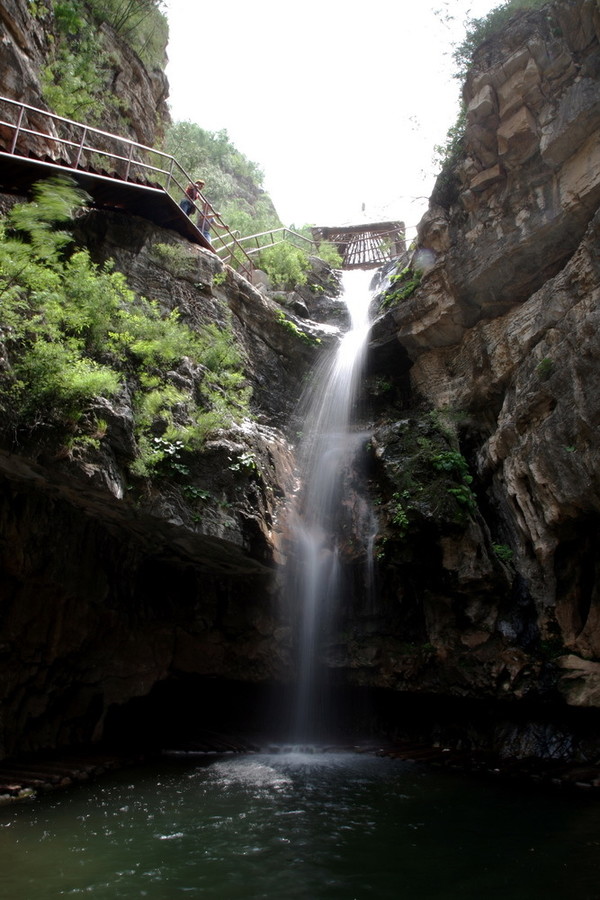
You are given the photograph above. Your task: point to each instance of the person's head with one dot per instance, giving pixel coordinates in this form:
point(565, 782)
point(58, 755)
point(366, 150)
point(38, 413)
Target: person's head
point(199, 184)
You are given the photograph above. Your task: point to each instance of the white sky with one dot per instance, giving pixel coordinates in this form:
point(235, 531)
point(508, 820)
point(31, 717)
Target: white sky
point(340, 103)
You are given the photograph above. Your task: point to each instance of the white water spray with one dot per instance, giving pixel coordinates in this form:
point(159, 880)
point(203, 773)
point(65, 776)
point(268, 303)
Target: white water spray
point(328, 447)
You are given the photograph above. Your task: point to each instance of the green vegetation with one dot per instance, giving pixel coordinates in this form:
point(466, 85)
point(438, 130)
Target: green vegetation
point(479, 30)
point(446, 155)
point(544, 368)
point(233, 185)
point(175, 259)
point(329, 254)
point(399, 514)
point(233, 182)
point(454, 463)
point(430, 478)
point(140, 23)
point(245, 462)
point(405, 282)
point(297, 332)
point(286, 265)
point(503, 552)
point(76, 80)
point(289, 266)
point(71, 331)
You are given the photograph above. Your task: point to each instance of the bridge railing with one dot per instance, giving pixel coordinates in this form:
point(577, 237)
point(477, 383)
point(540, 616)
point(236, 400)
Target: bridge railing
point(29, 132)
point(368, 247)
point(255, 243)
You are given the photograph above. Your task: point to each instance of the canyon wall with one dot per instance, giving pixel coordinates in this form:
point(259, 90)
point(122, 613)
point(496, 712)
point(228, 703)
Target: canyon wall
point(480, 582)
point(500, 339)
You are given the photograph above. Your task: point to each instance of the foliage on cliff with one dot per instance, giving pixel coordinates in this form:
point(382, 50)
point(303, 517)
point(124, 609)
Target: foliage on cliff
point(76, 80)
point(233, 182)
point(234, 188)
point(478, 30)
point(71, 331)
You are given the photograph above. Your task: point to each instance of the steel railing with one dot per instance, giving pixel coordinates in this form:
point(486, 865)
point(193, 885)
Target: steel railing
point(256, 243)
point(81, 147)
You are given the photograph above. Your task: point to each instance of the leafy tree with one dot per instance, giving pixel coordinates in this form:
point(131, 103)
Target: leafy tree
point(233, 182)
point(141, 23)
point(329, 254)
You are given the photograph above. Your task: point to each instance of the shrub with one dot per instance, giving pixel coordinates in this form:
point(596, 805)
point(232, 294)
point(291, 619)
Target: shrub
point(75, 81)
point(72, 331)
point(140, 23)
point(503, 552)
point(405, 282)
point(329, 254)
point(544, 368)
point(293, 329)
point(285, 265)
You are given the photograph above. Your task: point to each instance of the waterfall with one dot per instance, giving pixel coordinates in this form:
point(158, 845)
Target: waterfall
point(327, 449)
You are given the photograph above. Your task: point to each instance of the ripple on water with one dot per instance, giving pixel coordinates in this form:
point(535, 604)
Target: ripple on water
point(314, 826)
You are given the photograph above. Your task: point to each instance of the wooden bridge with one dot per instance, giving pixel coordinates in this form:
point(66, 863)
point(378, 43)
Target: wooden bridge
point(366, 246)
point(116, 172)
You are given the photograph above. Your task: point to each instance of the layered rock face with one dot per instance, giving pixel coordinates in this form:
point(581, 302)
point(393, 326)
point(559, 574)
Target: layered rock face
point(478, 580)
point(110, 584)
point(501, 338)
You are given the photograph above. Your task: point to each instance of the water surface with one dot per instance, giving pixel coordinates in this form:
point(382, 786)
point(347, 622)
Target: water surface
point(301, 825)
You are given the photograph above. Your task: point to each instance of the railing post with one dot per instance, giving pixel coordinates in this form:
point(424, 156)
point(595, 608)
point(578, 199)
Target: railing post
point(18, 128)
point(169, 175)
point(128, 167)
point(80, 150)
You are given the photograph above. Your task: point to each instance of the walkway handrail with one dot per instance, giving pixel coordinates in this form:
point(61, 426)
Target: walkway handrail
point(128, 159)
point(285, 234)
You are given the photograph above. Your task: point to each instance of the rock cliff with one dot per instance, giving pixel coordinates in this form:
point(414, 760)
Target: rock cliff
point(136, 95)
point(129, 602)
point(139, 580)
point(500, 338)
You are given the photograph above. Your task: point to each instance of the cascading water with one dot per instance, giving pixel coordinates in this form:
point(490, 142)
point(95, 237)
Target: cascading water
point(329, 443)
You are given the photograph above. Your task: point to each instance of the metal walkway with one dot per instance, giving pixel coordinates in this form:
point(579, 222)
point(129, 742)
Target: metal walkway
point(116, 172)
point(121, 174)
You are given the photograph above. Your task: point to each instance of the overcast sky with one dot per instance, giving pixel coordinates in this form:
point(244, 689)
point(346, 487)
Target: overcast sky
point(341, 104)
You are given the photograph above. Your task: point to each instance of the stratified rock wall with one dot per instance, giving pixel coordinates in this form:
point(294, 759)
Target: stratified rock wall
point(502, 337)
point(111, 584)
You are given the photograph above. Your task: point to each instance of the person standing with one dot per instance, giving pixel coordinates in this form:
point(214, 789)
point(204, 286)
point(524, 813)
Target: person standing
point(207, 219)
point(192, 193)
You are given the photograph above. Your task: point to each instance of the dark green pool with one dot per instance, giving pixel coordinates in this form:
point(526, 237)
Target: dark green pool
point(301, 825)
